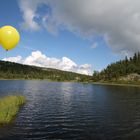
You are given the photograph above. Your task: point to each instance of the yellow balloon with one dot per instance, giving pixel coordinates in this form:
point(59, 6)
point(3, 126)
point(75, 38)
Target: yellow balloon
point(9, 37)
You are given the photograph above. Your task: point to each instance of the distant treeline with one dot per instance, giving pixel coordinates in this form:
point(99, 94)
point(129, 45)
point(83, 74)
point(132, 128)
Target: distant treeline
point(127, 69)
point(122, 68)
point(9, 70)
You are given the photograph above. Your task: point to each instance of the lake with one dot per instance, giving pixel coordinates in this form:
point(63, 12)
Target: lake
point(73, 111)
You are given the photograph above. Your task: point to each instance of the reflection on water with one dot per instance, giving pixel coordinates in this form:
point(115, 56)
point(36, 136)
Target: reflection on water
point(73, 111)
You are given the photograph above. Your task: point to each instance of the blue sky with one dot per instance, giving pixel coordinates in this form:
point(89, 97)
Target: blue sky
point(45, 28)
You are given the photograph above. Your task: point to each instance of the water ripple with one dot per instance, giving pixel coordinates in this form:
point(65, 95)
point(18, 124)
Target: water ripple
point(73, 111)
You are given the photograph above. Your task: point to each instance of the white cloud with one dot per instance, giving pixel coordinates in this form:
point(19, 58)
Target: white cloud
point(16, 59)
point(94, 45)
point(38, 59)
point(85, 69)
point(29, 14)
point(49, 25)
point(116, 20)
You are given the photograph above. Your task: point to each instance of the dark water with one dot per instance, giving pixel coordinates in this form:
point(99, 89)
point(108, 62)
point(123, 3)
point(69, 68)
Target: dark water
point(73, 111)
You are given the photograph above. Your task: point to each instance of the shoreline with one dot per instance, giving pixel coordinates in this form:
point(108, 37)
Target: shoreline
point(95, 83)
point(116, 84)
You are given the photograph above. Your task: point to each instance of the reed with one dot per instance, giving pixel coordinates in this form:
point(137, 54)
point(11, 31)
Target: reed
point(9, 107)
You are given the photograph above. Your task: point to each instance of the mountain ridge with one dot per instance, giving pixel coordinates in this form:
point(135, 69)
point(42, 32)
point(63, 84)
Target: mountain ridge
point(12, 70)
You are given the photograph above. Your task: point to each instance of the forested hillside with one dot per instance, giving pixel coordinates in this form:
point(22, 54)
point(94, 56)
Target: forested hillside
point(124, 70)
point(9, 70)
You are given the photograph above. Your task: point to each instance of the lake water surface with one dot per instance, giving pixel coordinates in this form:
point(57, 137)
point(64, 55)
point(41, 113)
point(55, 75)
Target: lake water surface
point(73, 111)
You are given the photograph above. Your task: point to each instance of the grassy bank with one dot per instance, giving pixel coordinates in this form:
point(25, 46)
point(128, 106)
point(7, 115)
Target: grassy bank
point(117, 84)
point(9, 107)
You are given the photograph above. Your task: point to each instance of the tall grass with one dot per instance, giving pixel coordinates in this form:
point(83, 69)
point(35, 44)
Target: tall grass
point(9, 107)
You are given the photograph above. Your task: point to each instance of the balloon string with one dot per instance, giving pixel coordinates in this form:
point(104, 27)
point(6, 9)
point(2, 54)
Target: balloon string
point(6, 53)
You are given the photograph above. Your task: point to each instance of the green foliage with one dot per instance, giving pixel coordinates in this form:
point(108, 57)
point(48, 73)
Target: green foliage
point(119, 69)
point(9, 107)
point(9, 70)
